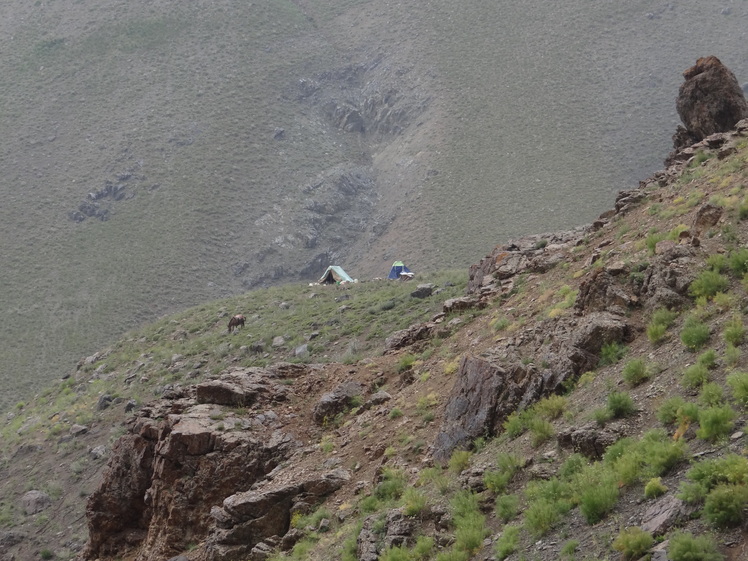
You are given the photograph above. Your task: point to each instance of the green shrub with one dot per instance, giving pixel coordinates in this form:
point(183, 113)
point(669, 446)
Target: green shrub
point(654, 488)
point(725, 505)
point(599, 497)
point(708, 283)
point(395, 413)
point(573, 465)
point(694, 334)
point(687, 547)
point(717, 262)
point(735, 331)
point(612, 352)
point(715, 422)
point(633, 543)
point(695, 376)
point(541, 431)
point(656, 333)
point(620, 404)
point(708, 359)
point(569, 548)
point(422, 549)
point(541, 516)
point(395, 553)
point(459, 461)
point(516, 423)
point(738, 382)
point(507, 507)
point(413, 502)
point(667, 412)
point(659, 323)
point(636, 371)
point(391, 486)
point(711, 394)
point(602, 415)
point(551, 407)
point(406, 362)
point(732, 355)
point(660, 454)
point(507, 543)
point(731, 468)
point(497, 480)
point(46, 554)
point(738, 262)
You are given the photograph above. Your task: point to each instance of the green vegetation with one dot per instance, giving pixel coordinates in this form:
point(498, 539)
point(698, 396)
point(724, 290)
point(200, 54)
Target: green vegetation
point(695, 334)
point(633, 543)
point(684, 546)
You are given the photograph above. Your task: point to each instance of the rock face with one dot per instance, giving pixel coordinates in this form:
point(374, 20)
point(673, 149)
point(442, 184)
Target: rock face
point(487, 392)
point(177, 461)
point(709, 101)
point(246, 518)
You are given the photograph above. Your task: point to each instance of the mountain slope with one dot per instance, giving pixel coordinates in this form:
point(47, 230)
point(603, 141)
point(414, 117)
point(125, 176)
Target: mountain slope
point(157, 155)
point(579, 318)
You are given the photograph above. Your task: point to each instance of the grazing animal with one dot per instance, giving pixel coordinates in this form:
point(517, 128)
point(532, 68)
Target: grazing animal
point(236, 322)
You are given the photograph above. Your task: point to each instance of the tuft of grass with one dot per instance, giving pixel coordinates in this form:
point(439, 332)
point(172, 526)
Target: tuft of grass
point(507, 507)
point(695, 376)
point(507, 543)
point(459, 461)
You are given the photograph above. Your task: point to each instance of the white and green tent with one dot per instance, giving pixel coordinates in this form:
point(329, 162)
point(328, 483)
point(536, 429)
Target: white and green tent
point(334, 275)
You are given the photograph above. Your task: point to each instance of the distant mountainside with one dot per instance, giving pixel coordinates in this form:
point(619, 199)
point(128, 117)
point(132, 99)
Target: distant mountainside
point(159, 154)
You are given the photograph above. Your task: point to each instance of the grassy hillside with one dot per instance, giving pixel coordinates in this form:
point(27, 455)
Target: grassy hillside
point(529, 118)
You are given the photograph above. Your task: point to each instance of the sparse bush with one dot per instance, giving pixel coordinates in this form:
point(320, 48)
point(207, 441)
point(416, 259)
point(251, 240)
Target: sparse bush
point(715, 422)
point(738, 382)
point(738, 262)
point(687, 547)
point(695, 376)
point(569, 548)
point(515, 424)
point(459, 461)
point(551, 407)
point(395, 413)
point(507, 507)
point(406, 362)
point(540, 430)
point(667, 412)
point(46, 554)
point(497, 480)
point(654, 488)
point(598, 493)
point(661, 320)
point(574, 464)
point(414, 502)
point(708, 359)
point(711, 394)
point(507, 543)
point(708, 283)
point(392, 485)
point(620, 404)
point(735, 331)
point(541, 516)
point(694, 334)
point(612, 352)
point(633, 543)
point(725, 505)
point(602, 415)
point(732, 355)
point(636, 371)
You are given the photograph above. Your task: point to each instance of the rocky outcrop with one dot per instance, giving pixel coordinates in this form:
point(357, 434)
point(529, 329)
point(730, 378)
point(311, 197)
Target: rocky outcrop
point(666, 280)
point(709, 101)
point(492, 275)
point(399, 530)
point(487, 392)
point(246, 519)
point(178, 459)
point(336, 401)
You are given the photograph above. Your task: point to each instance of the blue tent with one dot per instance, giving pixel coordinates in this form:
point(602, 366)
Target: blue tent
point(398, 268)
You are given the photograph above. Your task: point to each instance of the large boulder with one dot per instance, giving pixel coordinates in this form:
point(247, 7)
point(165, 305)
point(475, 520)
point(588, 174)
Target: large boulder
point(337, 401)
point(709, 101)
